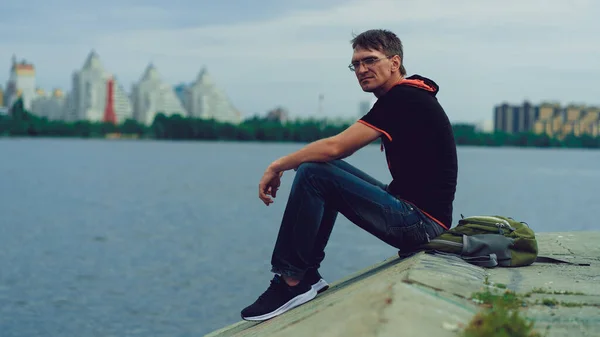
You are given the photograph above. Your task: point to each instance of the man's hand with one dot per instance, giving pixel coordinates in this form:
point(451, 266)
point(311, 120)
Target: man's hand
point(269, 184)
point(322, 150)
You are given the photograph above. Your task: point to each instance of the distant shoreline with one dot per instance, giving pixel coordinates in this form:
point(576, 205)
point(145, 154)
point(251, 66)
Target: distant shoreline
point(176, 127)
point(270, 142)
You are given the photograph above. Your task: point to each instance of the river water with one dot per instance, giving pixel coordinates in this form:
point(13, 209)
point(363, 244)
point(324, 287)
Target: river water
point(148, 238)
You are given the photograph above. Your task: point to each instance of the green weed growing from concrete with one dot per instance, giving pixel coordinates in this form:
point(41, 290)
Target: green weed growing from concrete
point(553, 292)
point(501, 316)
point(550, 302)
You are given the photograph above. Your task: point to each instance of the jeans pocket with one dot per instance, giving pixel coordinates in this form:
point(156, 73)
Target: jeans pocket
point(408, 237)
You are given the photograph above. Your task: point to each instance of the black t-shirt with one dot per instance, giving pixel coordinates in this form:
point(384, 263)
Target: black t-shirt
point(419, 146)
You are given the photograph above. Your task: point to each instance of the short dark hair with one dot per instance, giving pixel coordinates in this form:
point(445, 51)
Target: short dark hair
point(383, 40)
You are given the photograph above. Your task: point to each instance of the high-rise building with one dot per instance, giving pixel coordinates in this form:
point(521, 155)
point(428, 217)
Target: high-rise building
point(97, 95)
point(548, 118)
point(590, 122)
point(21, 83)
point(501, 116)
point(204, 100)
point(515, 118)
point(151, 96)
point(51, 106)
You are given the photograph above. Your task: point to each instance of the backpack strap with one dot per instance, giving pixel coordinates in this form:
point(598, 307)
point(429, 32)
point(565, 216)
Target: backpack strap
point(485, 261)
point(548, 259)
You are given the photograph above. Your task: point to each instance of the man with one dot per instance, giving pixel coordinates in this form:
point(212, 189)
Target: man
point(415, 207)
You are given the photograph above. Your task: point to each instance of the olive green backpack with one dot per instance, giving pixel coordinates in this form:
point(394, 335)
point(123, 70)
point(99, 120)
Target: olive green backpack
point(488, 241)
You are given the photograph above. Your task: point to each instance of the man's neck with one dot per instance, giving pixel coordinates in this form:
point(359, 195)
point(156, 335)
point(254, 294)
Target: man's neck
point(388, 85)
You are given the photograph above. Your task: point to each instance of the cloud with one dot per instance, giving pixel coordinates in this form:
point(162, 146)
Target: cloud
point(298, 34)
point(480, 52)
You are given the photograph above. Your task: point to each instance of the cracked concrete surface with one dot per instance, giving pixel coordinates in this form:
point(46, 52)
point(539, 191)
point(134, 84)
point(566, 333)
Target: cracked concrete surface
point(575, 315)
point(427, 295)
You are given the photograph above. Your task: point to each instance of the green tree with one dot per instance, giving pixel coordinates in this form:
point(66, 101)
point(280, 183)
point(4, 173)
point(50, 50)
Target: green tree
point(176, 127)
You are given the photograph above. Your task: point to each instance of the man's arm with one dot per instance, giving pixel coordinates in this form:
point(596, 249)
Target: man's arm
point(336, 147)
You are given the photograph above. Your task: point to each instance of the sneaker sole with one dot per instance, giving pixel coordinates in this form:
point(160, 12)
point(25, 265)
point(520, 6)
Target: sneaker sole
point(320, 286)
point(294, 302)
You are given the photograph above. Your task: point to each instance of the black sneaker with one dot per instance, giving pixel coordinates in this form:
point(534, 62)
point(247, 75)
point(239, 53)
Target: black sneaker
point(313, 277)
point(277, 299)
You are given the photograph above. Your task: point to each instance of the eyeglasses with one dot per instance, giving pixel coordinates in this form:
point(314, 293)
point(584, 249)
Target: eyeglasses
point(368, 61)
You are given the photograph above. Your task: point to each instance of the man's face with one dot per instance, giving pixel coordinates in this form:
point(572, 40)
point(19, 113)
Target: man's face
point(372, 68)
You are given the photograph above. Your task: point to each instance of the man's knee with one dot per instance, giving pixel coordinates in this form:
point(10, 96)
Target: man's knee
point(311, 168)
point(315, 174)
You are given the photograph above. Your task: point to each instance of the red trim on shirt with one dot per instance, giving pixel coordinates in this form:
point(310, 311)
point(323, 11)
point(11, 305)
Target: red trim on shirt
point(427, 214)
point(376, 128)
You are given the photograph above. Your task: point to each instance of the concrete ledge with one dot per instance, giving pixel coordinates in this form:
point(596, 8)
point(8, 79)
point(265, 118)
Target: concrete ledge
point(427, 295)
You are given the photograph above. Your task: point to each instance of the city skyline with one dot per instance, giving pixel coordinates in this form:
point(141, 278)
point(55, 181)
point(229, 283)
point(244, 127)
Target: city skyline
point(97, 95)
point(550, 118)
point(479, 54)
point(363, 105)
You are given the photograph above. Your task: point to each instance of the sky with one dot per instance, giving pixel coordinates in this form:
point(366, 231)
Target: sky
point(269, 53)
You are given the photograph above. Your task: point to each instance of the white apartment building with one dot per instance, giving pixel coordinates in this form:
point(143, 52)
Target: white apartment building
point(151, 96)
point(96, 93)
point(51, 106)
point(204, 100)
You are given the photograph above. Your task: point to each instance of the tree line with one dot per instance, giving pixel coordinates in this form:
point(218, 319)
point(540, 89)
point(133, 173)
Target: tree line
point(22, 123)
point(466, 134)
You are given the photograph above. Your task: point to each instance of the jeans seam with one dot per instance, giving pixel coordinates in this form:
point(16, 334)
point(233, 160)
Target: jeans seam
point(357, 214)
point(392, 210)
point(419, 226)
point(405, 229)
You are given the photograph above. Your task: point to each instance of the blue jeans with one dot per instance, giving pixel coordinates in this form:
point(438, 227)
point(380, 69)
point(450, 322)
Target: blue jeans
point(319, 192)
